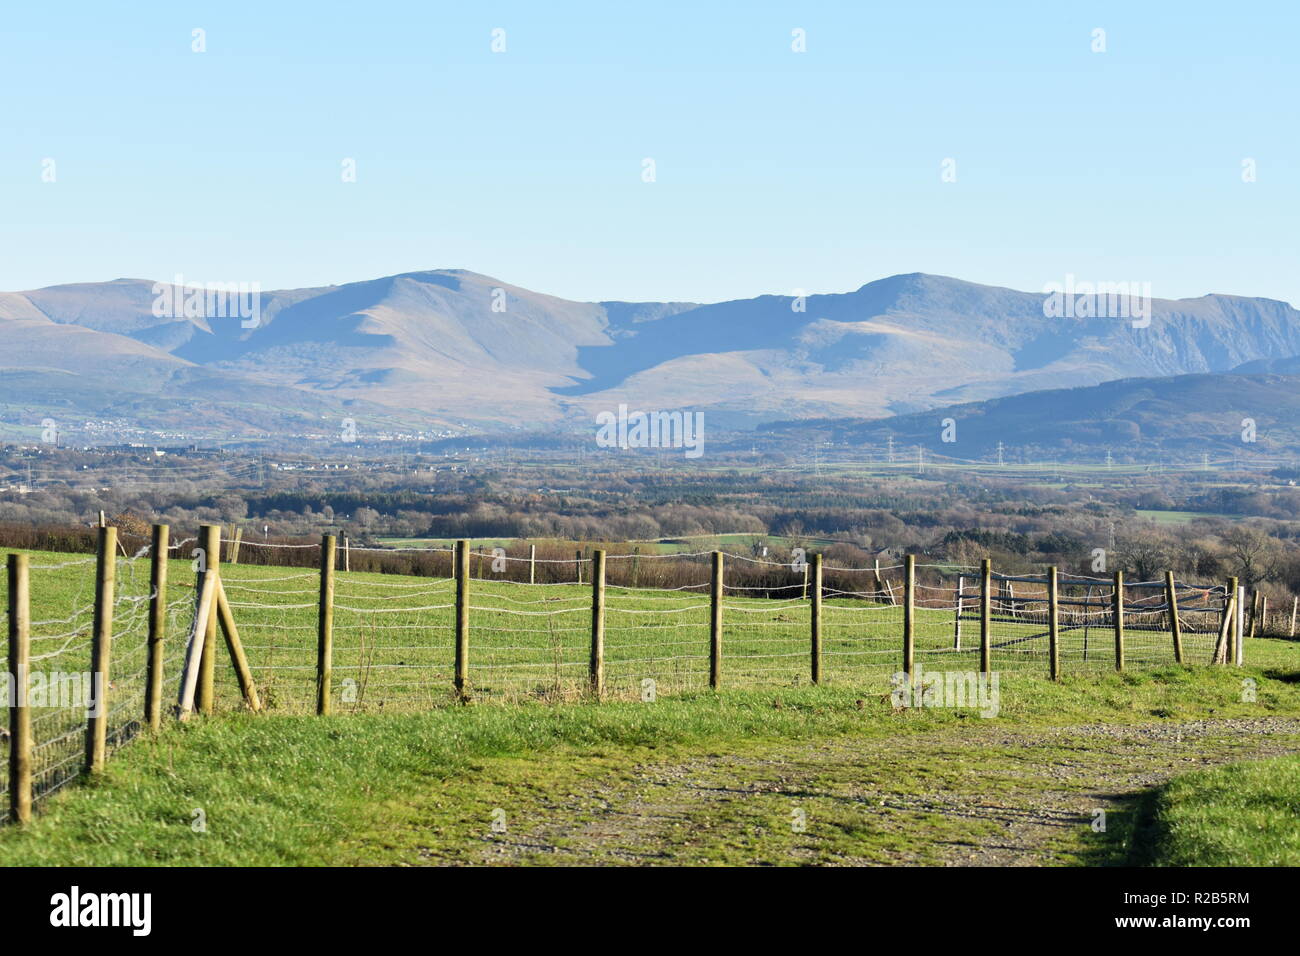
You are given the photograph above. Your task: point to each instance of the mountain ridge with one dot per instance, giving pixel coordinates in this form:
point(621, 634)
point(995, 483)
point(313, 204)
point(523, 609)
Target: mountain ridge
point(1183, 415)
point(452, 345)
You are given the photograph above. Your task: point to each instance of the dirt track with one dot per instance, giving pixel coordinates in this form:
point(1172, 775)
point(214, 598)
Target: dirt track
point(974, 795)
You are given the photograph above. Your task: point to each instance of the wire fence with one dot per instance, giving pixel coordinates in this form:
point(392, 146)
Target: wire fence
point(394, 636)
point(64, 690)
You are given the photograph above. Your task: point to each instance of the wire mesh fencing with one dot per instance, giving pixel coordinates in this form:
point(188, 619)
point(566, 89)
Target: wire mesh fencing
point(393, 637)
point(1092, 632)
point(64, 690)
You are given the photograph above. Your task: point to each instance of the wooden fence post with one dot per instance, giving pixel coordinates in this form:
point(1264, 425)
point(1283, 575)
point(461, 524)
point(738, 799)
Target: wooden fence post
point(715, 622)
point(462, 618)
point(210, 536)
point(153, 683)
point(1118, 601)
point(20, 716)
point(1220, 654)
point(194, 647)
point(243, 672)
point(1053, 624)
point(909, 613)
point(577, 564)
point(532, 564)
point(1176, 626)
point(1295, 605)
point(1223, 646)
point(816, 614)
point(234, 547)
point(597, 664)
point(956, 622)
point(1234, 630)
point(347, 554)
point(986, 613)
point(101, 654)
point(325, 626)
point(1239, 644)
point(888, 586)
point(1254, 613)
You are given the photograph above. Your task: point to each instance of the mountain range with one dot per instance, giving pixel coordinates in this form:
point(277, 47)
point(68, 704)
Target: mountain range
point(451, 349)
point(1249, 411)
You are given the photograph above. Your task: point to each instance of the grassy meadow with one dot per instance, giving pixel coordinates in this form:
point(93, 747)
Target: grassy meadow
point(406, 788)
point(393, 634)
point(1242, 812)
point(404, 772)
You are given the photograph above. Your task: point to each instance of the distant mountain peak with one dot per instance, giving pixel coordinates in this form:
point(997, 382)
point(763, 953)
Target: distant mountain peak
point(443, 343)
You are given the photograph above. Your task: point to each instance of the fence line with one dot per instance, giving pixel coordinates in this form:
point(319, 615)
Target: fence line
point(364, 642)
point(83, 690)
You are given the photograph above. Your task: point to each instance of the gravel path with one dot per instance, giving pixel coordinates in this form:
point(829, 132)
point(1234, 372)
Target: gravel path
point(969, 795)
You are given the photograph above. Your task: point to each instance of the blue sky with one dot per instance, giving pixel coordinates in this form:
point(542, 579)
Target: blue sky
point(775, 170)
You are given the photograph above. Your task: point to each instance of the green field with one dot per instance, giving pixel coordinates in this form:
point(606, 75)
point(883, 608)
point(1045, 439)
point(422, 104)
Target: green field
point(393, 635)
point(678, 545)
point(529, 657)
point(1244, 812)
point(443, 542)
point(1181, 517)
point(698, 778)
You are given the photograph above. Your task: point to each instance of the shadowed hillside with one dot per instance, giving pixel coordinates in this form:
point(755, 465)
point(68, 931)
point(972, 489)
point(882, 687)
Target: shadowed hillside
point(453, 346)
point(1186, 414)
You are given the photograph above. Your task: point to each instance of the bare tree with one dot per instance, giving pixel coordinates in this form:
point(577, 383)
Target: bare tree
point(1145, 555)
point(1252, 555)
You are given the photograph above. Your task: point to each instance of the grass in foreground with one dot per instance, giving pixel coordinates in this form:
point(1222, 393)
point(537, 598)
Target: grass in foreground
point(390, 788)
point(1245, 814)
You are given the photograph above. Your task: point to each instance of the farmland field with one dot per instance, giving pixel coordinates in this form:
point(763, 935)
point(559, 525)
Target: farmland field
point(693, 778)
point(1181, 517)
point(393, 634)
point(393, 637)
point(671, 545)
point(394, 650)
